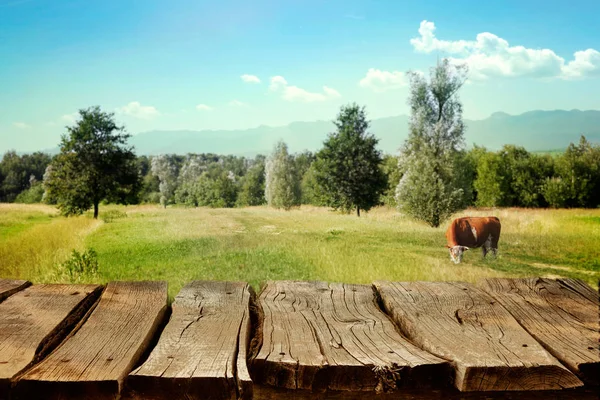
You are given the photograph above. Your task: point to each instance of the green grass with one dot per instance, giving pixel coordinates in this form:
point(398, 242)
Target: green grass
point(259, 244)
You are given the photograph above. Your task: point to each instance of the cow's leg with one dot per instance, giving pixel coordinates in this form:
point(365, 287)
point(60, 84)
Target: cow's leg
point(494, 246)
point(487, 245)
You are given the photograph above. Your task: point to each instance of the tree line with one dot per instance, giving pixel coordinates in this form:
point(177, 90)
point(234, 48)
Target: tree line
point(433, 176)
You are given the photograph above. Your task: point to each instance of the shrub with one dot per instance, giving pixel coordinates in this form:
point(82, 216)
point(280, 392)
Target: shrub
point(81, 265)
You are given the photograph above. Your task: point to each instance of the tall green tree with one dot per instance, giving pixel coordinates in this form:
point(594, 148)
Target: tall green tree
point(282, 183)
point(94, 165)
point(577, 179)
point(252, 192)
point(348, 165)
point(431, 188)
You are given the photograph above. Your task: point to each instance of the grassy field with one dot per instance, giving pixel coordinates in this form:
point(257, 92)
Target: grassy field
point(258, 244)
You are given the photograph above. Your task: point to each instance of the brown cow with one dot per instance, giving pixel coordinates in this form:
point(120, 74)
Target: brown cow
point(472, 232)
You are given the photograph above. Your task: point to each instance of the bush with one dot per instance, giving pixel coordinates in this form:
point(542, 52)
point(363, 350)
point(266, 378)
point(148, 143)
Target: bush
point(32, 195)
point(556, 192)
point(81, 265)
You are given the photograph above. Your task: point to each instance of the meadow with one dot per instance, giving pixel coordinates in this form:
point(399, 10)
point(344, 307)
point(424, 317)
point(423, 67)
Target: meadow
point(257, 244)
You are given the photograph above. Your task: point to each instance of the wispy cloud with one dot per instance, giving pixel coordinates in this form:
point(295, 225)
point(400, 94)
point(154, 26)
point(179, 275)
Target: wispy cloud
point(21, 125)
point(250, 78)
point(294, 93)
point(71, 118)
point(203, 107)
point(381, 81)
point(491, 56)
point(136, 110)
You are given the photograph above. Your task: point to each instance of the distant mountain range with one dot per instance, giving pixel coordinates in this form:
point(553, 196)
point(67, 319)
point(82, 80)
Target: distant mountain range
point(534, 130)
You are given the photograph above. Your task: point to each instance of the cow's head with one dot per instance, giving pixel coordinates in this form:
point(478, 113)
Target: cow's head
point(456, 253)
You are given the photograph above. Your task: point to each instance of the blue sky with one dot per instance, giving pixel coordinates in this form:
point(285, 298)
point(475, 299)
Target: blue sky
point(173, 65)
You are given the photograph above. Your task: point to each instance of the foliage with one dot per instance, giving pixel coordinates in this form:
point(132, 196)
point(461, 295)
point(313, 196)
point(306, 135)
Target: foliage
point(348, 165)
point(282, 184)
point(165, 169)
point(391, 170)
point(430, 188)
point(16, 173)
point(579, 169)
point(312, 192)
point(81, 265)
point(94, 164)
point(252, 191)
point(556, 192)
point(32, 195)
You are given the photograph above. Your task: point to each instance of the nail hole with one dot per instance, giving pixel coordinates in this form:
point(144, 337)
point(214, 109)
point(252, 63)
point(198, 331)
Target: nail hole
point(74, 293)
point(282, 354)
point(109, 359)
point(228, 292)
point(524, 345)
point(65, 360)
point(590, 348)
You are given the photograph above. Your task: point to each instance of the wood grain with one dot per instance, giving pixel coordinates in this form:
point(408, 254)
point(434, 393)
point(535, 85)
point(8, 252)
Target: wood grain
point(320, 336)
point(560, 314)
point(459, 322)
point(9, 286)
point(202, 350)
point(34, 321)
point(92, 363)
point(262, 392)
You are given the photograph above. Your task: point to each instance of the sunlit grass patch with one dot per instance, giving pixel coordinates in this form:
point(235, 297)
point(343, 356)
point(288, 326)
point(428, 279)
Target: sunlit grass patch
point(257, 244)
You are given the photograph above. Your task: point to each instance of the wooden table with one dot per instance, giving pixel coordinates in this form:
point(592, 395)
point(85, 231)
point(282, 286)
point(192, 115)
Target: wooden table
point(529, 338)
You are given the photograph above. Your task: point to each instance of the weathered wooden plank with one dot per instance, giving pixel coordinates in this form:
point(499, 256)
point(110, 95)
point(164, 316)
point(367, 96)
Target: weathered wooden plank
point(92, 363)
point(321, 336)
point(202, 350)
point(262, 392)
point(459, 322)
point(34, 321)
point(9, 286)
point(560, 314)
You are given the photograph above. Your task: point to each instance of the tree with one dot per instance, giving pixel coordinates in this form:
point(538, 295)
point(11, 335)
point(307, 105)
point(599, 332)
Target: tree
point(391, 170)
point(94, 165)
point(252, 192)
point(282, 184)
point(430, 158)
point(492, 184)
point(165, 169)
point(16, 171)
point(348, 165)
point(579, 169)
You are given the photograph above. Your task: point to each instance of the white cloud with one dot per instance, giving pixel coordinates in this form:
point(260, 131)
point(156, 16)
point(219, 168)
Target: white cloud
point(71, 118)
point(250, 78)
point(236, 103)
point(294, 93)
point(135, 109)
point(203, 107)
point(380, 81)
point(491, 56)
point(21, 125)
point(585, 64)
